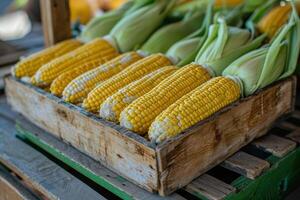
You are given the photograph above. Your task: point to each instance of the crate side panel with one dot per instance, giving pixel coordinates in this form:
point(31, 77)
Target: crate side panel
point(124, 155)
point(210, 142)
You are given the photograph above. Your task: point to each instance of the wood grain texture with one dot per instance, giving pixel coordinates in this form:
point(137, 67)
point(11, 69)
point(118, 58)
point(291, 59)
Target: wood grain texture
point(56, 21)
point(212, 141)
point(170, 165)
point(114, 146)
point(86, 165)
point(210, 187)
point(12, 189)
point(246, 165)
point(278, 146)
point(41, 175)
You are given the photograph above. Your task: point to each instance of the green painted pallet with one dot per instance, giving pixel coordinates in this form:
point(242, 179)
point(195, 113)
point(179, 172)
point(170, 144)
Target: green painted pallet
point(275, 173)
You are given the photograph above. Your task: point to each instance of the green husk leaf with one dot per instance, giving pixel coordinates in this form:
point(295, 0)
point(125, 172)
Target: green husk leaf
point(258, 14)
point(101, 25)
point(266, 65)
point(185, 51)
point(132, 31)
point(166, 36)
point(225, 44)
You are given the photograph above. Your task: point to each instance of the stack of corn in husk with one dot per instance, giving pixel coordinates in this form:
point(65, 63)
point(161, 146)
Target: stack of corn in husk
point(159, 78)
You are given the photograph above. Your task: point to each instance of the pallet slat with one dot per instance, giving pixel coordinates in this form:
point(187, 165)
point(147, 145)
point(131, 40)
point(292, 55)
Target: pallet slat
point(246, 165)
point(10, 188)
point(210, 187)
point(85, 165)
point(278, 146)
point(39, 173)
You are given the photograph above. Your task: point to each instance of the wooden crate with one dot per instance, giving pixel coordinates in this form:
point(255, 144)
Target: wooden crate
point(36, 167)
point(168, 166)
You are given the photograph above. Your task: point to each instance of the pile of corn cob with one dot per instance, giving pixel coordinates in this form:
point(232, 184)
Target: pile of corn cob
point(174, 81)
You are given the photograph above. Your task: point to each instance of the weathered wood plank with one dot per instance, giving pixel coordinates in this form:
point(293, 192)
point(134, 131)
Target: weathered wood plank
point(56, 21)
point(246, 164)
point(39, 174)
point(126, 153)
point(295, 135)
point(210, 187)
point(86, 165)
point(211, 141)
point(12, 189)
point(278, 146)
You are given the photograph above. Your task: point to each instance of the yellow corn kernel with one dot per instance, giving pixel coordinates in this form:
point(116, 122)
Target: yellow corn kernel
point(139, 115)
point(115, 104)
point(78, 89)
point(197, 105)
point(28, 66)
point(136, 71)
point(97, 52)
point(274, 20)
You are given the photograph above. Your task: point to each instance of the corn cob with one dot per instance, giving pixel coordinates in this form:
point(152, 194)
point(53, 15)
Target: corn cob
point(96, 53)
point(136, 71)
point(28, 66)
point(139, 115)
point(115, 104)
point(274, 20)
point(194, 107)
point(78, 89)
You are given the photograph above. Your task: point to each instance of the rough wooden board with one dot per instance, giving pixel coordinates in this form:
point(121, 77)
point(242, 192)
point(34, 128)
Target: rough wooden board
point(40, 174)
point(246, 165)
point(85, 165)
point(12, 189)
point(56, 21)
point(278, 146)
point(295, 130)
point(212, 141)
point(124, 152)
point(210, 187)
point(295, 136)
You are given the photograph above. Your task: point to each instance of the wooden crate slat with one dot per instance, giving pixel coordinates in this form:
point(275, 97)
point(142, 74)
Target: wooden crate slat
point(39, 173)
point(167, 166)
point(246, 164)
point(86, 165)
point(276, 145)
point(12, 189)
point(210, 187)
point(124, 152)
point(211, 141)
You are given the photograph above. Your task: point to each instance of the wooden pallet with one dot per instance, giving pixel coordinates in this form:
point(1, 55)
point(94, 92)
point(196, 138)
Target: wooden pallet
point(274, 158)
point(165, 167)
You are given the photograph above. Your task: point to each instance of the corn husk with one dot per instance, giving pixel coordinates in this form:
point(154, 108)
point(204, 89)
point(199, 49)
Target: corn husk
point(260, 68)
point(101, 25)
point(168, 35)
point(133, 30)
point(224, 45)
point(185, 50)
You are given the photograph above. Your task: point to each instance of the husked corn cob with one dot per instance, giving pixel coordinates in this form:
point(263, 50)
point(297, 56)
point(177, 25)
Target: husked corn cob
point(28, 66)
point(139, 115)
point(96, 52)
point(136, 71)
point(78, 89)
point(115, 104)
point(274, 20)
point(194, 107)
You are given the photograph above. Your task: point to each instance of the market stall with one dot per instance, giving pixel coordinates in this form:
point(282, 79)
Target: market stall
point(208, 113)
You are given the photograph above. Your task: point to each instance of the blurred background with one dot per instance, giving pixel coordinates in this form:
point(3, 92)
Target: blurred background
point(21, 32)
point(20, 24)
